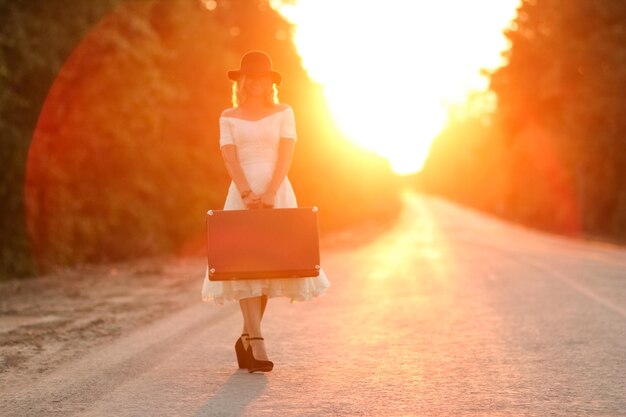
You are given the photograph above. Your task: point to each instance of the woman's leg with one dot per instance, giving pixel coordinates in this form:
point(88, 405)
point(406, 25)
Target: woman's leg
point(245, 329)
point(263, 305)
point(252, 310)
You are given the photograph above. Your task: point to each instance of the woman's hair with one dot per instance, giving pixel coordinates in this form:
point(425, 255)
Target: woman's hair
point(239, 93)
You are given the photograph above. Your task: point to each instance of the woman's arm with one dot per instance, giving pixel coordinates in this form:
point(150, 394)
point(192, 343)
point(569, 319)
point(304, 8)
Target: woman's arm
point(231, 160)
point(285, 155)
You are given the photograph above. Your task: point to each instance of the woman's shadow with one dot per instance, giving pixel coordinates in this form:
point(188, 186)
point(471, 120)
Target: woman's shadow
point(232, 398)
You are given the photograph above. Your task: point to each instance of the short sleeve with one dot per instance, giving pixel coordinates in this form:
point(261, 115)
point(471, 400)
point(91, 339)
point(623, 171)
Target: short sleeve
point(288, 124)
point(226, 135)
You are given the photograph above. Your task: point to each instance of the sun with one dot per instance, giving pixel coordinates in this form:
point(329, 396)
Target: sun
point(391, 71)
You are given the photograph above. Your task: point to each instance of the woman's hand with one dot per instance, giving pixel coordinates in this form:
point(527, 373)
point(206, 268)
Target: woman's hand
point(267, 199)
point(252, 200)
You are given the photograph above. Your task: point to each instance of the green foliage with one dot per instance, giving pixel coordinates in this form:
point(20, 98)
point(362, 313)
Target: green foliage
point(35, 39)
point(560, 121)
point(114, 171)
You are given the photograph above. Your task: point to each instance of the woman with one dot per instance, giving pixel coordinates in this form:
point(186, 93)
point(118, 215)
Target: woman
point(257, 139)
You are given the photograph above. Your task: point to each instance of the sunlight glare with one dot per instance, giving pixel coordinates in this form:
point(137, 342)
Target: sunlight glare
point(418, 240)
point(392, 70)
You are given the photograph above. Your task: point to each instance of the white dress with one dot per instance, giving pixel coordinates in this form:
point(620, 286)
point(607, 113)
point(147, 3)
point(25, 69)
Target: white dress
point(257, 148)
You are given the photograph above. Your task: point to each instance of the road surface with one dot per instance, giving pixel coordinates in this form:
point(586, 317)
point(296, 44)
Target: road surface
point(449, 312)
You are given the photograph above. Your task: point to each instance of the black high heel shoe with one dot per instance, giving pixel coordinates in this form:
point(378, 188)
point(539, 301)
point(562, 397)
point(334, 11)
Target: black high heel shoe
point(242, 356)
point(255, 365)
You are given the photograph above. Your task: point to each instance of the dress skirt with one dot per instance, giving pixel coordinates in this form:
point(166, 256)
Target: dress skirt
point(296, 289)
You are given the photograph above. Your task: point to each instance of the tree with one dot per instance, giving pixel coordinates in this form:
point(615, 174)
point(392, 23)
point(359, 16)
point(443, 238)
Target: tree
point(35, 39)
point(565, 70)
point(559, 129)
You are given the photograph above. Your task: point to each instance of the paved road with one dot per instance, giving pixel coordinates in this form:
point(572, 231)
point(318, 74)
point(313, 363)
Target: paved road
point(447, 313)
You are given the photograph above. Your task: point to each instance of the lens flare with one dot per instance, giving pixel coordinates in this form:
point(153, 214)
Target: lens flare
point(392, 70)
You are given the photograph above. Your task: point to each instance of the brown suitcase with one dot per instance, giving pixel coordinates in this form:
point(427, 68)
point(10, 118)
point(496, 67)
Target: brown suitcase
point(263, 243)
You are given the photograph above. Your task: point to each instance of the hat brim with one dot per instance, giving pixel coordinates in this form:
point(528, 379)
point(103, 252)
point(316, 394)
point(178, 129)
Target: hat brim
point(234, 75)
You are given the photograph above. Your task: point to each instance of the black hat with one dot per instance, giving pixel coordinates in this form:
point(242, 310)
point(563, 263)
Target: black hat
point(255, 62)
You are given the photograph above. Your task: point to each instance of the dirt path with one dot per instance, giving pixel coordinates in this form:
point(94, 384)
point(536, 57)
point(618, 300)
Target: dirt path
point(50, 320)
